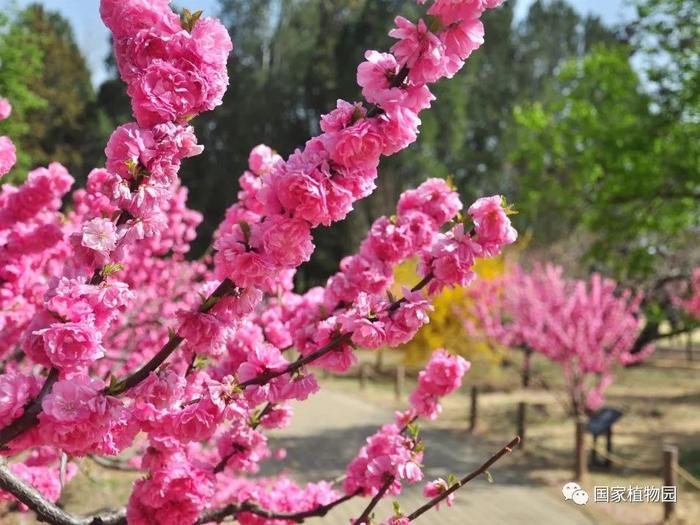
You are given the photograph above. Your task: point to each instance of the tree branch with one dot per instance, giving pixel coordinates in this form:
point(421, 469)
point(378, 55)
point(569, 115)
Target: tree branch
point(483, 468)
point(232, 510)
point(225, 288)
point(47, 511)
point(374, 502)
point(31, 412)
point(296, 365)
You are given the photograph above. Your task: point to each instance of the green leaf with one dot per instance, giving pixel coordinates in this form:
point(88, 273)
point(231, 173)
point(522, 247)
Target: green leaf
point(397, 508)
point(434, 24)
point(245, 228)
point(452, 480)
point(489, 477)
point(111, 268)
point(200, 362)
point(189, 19)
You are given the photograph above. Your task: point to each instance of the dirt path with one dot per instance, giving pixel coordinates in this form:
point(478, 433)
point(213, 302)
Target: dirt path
point(330, 427)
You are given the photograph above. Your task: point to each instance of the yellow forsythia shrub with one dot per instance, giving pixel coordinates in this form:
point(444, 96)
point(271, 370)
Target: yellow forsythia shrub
point(446, 327)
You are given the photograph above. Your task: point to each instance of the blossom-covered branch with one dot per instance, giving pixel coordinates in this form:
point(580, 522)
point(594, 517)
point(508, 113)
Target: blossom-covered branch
point(127, 344)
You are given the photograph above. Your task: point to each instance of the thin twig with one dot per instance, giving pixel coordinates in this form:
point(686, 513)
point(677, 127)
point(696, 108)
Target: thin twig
point(113, 464)
point(226, 287)
point(478, 472)
point(265, 377)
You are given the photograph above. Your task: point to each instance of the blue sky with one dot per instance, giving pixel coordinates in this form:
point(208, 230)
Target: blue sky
point(93, 38)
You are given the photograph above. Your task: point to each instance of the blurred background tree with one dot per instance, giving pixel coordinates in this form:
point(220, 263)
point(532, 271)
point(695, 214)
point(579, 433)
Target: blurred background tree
point(20, 70)
point(44, 74)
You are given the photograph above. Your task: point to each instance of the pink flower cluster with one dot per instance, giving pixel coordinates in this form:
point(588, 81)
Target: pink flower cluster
point(395, 453)
point(442, 376)
point(389, 456)
point(8, 154)
point(173, 73)
point(33, 248)
point(175, 492)
point(451, 259)
point(691, 304)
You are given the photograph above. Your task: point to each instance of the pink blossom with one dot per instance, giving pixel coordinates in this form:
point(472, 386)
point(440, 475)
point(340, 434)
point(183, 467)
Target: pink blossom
point(8, 155)
point(359, 145)
point(244, 448)
point(15, 391)
point(99, 235)
point(165, 93)
point(71, 345)
point(491, 223)
point(262, 159)
point(434, 198)
point(5, 108)
point(205, 333)
point(128, 148)
point(460, 40)
point(453, 11)
point(399, 128)
point(375, 77)
point(195, 422)
point(213, 41)
point(436, 487)
point(78, 418)
point(419, 49)
point(298, 387)
point(127, 17)
point(287, 242)
point(175, 492)
point(443, 374)
point(397, 520)
point(264, 358)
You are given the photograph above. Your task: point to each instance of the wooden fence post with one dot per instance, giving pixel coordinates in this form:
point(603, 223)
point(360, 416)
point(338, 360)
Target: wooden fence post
point(670, 470)
point(364, 376)
point(581, 465)
point(399, 381)
point(522, 408)
point(474, 409)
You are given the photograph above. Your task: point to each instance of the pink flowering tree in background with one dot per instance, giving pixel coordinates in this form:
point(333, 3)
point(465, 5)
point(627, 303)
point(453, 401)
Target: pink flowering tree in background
point(113, 342)
point(587, 327)
point(689, 301)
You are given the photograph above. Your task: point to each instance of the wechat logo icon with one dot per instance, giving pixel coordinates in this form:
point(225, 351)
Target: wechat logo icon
point(573, 491)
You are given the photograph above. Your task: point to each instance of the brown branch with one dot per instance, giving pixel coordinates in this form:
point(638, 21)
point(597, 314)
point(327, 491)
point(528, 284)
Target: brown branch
point(375, 111)
point(478, 472)
point(340, 339)
point(47, 511)
point(113, 464)
point(225, 288)
point(232, 510)
point(374, 502)
point(31, 412)
point(296, 365)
